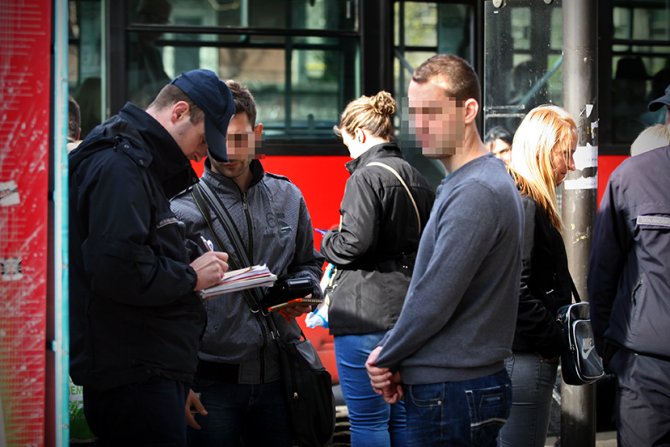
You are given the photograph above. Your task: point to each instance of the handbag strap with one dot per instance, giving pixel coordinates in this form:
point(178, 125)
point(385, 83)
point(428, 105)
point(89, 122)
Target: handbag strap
point(204, 210)
point(409, 193)
point(574, 289)
point(205, 199)
point(226, 220)
point(252, 296)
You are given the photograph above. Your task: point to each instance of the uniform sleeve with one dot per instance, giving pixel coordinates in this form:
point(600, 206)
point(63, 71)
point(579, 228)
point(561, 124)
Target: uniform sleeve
point(359, 212)
point(185, 209)
point(611, 243)
point(118, 254)
point(465, 234)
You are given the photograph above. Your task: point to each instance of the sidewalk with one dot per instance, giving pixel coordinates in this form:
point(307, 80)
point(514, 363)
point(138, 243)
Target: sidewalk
point(603, 439)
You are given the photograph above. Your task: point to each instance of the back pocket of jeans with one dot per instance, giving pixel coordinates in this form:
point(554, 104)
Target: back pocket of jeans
point(489, 409)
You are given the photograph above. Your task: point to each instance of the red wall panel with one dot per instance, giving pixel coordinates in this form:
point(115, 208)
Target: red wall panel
point(25, 36)
point(607, 164)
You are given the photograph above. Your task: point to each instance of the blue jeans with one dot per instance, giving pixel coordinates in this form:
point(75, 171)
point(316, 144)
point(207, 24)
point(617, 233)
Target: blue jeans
point(374, 423)
point(241, 415)
point(533, 381)
point(458, 414)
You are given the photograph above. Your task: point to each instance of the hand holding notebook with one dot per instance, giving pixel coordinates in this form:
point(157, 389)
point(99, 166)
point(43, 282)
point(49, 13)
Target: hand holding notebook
point(244, 278)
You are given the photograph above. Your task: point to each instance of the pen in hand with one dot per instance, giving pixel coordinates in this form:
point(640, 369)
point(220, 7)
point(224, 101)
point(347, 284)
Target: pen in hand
point(207, 244)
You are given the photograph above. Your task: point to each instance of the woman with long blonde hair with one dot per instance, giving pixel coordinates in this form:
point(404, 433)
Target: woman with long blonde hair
point(542, 155)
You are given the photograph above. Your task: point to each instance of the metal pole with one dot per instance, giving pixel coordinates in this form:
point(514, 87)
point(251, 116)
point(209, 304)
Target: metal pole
point(580, 96)
point(61, 341)
point(377, 45)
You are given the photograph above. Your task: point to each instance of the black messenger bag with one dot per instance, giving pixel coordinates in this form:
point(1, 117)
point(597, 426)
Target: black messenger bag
point(580, 363)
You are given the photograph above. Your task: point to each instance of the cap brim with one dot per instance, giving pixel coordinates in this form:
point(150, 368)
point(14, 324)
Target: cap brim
point(216, 141)
point(659, 102)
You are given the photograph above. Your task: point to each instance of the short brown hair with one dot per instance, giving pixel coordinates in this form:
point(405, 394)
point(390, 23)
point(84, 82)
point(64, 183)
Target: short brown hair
point(73, 119)
point(462, 81)
point(374, 113)
point(244, 100)
point(171, 94)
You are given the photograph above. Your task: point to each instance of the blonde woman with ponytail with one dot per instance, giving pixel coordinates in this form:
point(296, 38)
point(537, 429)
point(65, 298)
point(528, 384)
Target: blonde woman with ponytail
point(374, 251)
point(542, 155)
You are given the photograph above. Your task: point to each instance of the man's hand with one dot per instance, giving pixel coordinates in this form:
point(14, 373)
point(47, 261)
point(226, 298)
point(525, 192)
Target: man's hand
point(383, 381)
point(193, 405)
point(210, 268)
point(380, 378)
point(294, 310)
point(394, 393)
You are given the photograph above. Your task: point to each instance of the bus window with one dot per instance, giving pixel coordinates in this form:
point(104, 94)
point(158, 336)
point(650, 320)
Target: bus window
point(640, 67)
point(421, 30)
point(522, 49)
point(299, 58)
point(87, 61)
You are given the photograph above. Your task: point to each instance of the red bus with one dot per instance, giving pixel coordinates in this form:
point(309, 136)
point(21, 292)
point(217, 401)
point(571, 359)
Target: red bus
point(303, 60)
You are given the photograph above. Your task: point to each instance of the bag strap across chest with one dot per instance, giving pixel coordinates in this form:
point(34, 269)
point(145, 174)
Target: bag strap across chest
point(409, 193)
point(206, 199)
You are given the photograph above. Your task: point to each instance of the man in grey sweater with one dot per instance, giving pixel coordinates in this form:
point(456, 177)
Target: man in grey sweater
point(445, 354)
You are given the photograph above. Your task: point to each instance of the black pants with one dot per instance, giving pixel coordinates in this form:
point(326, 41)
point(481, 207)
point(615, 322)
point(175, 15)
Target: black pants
point(643, 399)
point(141, 414)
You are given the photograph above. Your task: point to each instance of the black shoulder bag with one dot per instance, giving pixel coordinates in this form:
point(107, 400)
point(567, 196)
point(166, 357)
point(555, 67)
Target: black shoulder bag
point(307, 384)
point(580, 363)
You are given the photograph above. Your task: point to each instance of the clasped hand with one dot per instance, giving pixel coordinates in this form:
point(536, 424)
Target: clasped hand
point(384, 382)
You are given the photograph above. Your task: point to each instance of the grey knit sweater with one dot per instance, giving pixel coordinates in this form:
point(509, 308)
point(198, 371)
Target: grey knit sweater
point(458, 319)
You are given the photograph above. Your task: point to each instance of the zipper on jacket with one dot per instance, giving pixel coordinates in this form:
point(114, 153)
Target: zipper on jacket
point(247, 214)
point(250, 250)
point(259, 320)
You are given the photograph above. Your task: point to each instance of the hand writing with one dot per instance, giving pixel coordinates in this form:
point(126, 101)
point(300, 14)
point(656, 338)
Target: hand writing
point(210, 268)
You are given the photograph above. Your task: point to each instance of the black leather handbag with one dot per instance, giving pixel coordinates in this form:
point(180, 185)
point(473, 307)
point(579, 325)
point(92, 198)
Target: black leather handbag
point(580, 363)
point(308, 391)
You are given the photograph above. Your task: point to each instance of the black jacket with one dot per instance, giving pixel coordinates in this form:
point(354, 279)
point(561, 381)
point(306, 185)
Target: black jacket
point(545, 285)
point(133, 313)
point(376, 247)
point(629, 269)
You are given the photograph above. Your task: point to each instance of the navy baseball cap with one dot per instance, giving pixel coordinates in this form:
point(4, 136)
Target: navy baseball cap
point(660, 102)
point(212, 95)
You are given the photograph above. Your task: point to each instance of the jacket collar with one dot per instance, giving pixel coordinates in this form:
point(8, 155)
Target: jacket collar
point(383, 150)
point(163, 155)
point(141, 138)
point(228, 184)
